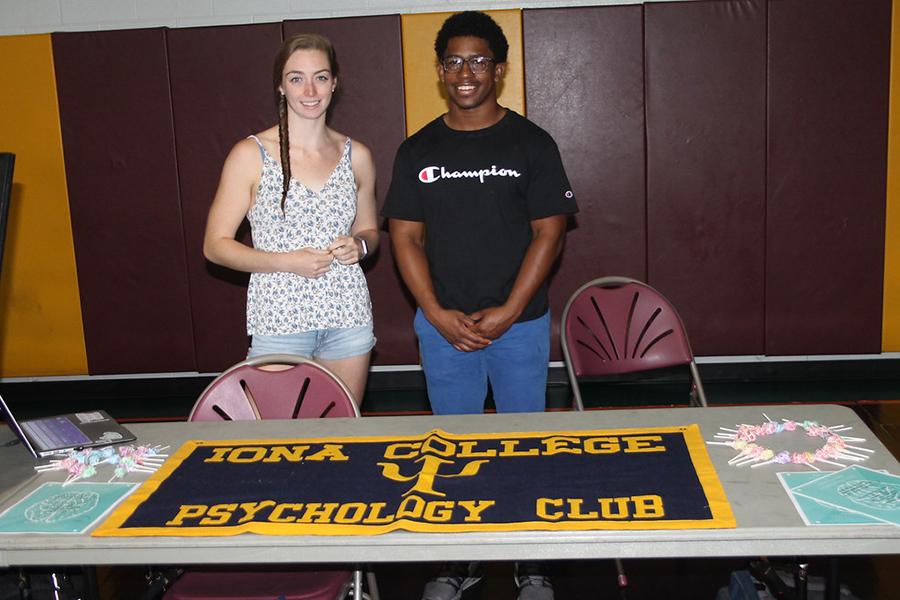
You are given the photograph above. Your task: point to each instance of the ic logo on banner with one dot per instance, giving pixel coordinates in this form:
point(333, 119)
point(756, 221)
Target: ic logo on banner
point(431, 464)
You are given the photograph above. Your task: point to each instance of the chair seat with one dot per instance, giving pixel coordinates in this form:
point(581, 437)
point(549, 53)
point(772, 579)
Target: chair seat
point(258, 585)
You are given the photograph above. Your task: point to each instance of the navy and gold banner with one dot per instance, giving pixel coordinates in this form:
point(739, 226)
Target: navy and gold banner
point(651, 478)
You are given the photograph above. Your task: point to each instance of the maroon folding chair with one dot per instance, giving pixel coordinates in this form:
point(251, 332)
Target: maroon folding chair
point(273, 386)
point(617, 325)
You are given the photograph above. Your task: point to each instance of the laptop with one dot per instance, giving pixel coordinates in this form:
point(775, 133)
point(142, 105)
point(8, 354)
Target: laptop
point(54, 435)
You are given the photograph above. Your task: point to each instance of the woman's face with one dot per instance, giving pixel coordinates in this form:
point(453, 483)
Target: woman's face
point(307, 83)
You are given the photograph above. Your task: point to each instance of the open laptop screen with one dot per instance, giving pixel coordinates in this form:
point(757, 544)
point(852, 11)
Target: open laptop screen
point(53, 435)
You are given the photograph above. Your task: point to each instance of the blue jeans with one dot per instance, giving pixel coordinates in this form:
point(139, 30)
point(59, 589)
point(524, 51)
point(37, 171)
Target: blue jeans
point(515, 364)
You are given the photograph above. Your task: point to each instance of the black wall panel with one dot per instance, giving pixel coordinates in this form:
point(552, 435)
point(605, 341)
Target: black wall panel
point(116, 118)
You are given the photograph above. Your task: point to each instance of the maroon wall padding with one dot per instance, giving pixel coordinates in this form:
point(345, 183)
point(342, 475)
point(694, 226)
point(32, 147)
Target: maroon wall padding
point(761, 217)
point(584, 84)
point(222, 91)
point(371, 110)
point(827, 144)
point(118, 141)
point(706, 81)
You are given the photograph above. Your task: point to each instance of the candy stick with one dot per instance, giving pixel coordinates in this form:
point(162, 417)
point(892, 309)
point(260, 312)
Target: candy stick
point(859, 448)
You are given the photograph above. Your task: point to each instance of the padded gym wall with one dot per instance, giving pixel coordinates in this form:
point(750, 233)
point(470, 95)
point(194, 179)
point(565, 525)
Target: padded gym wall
point(116, 115)
point(221, 81)
point(828, 69)
point(767, 230)
point(705, 77)
point(584, 84)
point(40, 315)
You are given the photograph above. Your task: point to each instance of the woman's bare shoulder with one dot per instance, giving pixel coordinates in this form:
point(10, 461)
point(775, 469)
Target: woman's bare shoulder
point(269, 139)
point(361, 155)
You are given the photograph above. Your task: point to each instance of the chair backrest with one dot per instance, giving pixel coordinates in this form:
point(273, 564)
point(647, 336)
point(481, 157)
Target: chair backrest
point(274, 386)
point(618, 325)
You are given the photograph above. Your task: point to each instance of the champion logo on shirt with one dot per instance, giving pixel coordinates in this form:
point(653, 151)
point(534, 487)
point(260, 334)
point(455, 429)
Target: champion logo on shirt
point(432, 174)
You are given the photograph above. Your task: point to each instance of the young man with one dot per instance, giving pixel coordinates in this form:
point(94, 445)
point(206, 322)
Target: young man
point(477, 210)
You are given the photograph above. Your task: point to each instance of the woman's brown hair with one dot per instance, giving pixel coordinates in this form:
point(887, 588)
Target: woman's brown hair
point(301, 41)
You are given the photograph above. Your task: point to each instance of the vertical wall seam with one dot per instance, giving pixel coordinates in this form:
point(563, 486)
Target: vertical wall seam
point(179, 199)
point(62, 150)
point(765, 236)
point(646, 147)
point(890, 320)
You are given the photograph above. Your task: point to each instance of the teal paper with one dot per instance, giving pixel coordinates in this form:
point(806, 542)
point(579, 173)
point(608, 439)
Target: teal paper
point(816, 513)
point(857, 489)
point(54, 508)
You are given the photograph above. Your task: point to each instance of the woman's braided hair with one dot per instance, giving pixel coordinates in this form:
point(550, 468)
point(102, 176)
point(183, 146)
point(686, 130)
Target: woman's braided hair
point(301, 41)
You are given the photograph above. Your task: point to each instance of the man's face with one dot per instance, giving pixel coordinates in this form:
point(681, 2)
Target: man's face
point(466, 89)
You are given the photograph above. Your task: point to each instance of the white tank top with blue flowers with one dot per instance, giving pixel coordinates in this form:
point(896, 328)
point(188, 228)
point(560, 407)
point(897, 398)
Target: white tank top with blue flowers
point(286, 303)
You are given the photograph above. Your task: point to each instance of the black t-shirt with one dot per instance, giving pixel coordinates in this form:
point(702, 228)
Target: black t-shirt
point(477, 193)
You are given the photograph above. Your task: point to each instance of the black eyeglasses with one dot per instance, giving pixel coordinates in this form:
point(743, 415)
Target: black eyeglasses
point(477, 64)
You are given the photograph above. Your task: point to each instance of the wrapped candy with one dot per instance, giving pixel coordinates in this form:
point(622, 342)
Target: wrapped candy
point(745, 439)
point(83, 464)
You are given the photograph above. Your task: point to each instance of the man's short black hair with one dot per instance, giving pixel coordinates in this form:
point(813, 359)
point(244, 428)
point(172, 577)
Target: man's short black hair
point(475, 24)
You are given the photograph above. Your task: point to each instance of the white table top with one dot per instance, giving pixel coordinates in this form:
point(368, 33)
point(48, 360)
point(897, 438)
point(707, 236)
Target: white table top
point(767, 522)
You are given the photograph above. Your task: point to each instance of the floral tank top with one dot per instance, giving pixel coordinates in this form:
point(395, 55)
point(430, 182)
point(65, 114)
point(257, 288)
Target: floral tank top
point(286, 303)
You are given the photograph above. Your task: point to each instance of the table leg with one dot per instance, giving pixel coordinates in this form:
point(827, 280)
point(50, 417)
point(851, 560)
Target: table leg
point(801, 574)
point(56, 586)
point(91, 587)
point(833, 583)
point(24, 585)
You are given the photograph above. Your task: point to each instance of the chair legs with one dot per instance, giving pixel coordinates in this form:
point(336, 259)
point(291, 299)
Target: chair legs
point(701, 393)
point(357, 585)
point(621, 579)
point(355, 590)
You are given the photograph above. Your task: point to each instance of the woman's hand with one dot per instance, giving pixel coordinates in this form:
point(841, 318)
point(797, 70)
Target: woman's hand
point(346, 250)
point(308, 262)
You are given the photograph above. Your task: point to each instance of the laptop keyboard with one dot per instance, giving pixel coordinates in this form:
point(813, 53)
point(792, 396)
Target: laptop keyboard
point(55, 432)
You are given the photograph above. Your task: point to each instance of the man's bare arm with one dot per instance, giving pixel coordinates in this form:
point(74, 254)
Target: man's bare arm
point(546, 244)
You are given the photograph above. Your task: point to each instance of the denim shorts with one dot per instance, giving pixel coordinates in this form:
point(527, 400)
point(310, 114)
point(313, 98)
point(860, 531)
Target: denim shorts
point(326, 344)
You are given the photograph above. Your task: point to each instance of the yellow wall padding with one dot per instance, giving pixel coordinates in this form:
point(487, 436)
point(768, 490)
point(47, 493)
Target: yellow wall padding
point(891, 324)
point(424, 99)
point(40, 312)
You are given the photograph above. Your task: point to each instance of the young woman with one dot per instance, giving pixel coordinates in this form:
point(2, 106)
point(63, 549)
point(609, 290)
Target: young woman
point(309, 194)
